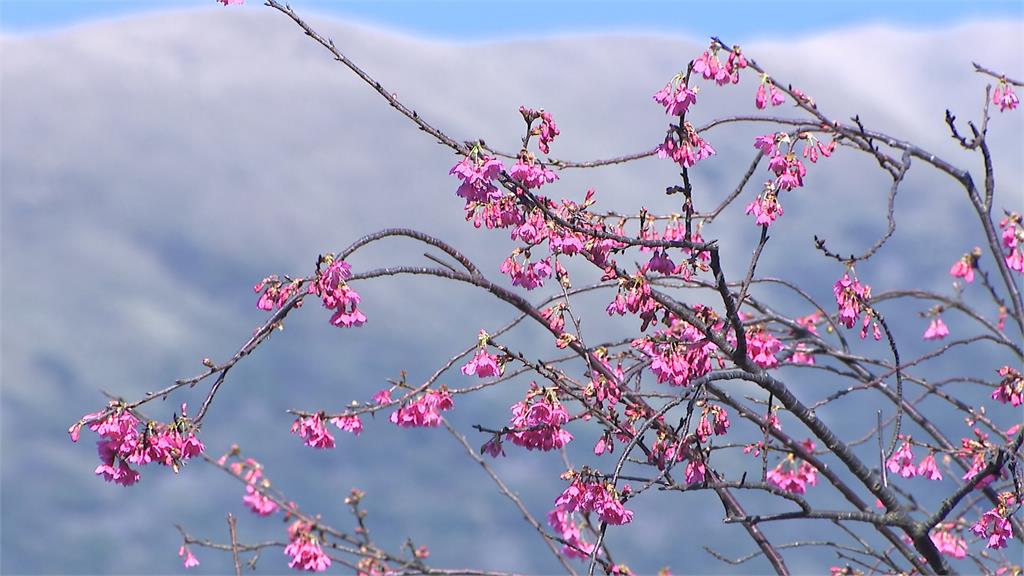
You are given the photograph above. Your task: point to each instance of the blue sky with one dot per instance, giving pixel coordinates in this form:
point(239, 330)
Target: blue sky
point(482, 20)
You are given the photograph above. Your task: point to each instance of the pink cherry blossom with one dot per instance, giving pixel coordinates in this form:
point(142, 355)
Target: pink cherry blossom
point(947, 542)
point(483, 365)
point(184, 552)
point(676, 97)
point(762, 347)
point(1004, 97)
point(850, 294)
point(765, 208)
point(902, 462)
point(304, 548)
point(538, 422)
point(493, 447)
point(928, 469)
point(596, 497)
point(528, 275)
point(350, 423)
point(274, 293)
point(382, 397)
point(335, 294)
point(531, 174)
point(425, 411)
point(1011, 389)
point(230, 2)
point(477, 173)
point(963, 268)
point(937, 329)
point(313, 430)
point(575, 546)
point(995, 527)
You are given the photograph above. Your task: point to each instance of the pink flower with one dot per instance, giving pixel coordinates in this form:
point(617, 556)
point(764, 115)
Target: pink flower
point(708, 66)
point(947, 542)
point(251, 472)
point(937, 330)
point(350, 423)
point(902, 462)
point(1004, 97)
point(425, 411)
point(313, 430)
point(685, 147)
point(765, 208)
point(531, 174)
point(227, 3)
point(695, 471)
point(793, 479)
point(528, 275)
point(274, 293)
point(190, 559)
point(493, 447)
point(483, 365)
point(762, 347)
point(596, 497)
point(330, 286)
point(304, 548)
point(928, 469)
point(676, 97)
point(994, 526)
point(382, 397)
point(849, 296)
point(575, 546)
point(477, 173)
point(538, 422)
point(1011, 389)
point(963, 268)
point(766, 144)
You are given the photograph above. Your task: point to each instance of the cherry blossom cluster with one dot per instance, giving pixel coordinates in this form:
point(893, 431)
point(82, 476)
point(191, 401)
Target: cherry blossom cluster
point(995, 524)
point(547, 130)
point(425, 411)
point(251, 472)
point(768, 93)
point(708, 66)
point(937, 329)
point(1011, 389)
point(538, 420)
point(852, 298)
point(124, 440)
point(1004, 96)
point(794, 475)
point(947, 542)
point(526, 274)
point(483, 364)
point(274, 293)
point(478, 172)
point(676, 97)
point(594, 496)
point(304, 548)
point(762, 346)
point(678, 355)
point(685, 146)
point(336, 295)
point(1013, 241)
point(902, 462)
point(575, 546)
point(964, 267)
point(789, 169)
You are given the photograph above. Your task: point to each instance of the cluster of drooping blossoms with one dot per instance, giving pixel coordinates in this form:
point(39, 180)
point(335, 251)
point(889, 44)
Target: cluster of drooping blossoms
point(768, 93)
point(425, 411)
point(902, 462)
point(483, 364)
point(569, 530)
point(274, 292)
point(794, 475)
point(537, 421)
point(762, 346)
point(304, 548)
point(124, 440)
point(937, 329)
point(708, 66)
point(1013, 241)
point(546, 131)
point(1004, 97)
point(685, 146)
point(852, 298)
point(1011, 389)
point(593, 496)
point(676, 97)
point(313, 429)
point(947, 542)
point(678, 354)
point(330, 286)
point(789, 169)
point(995, 524)
point(964, 267)
point(251, 472)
